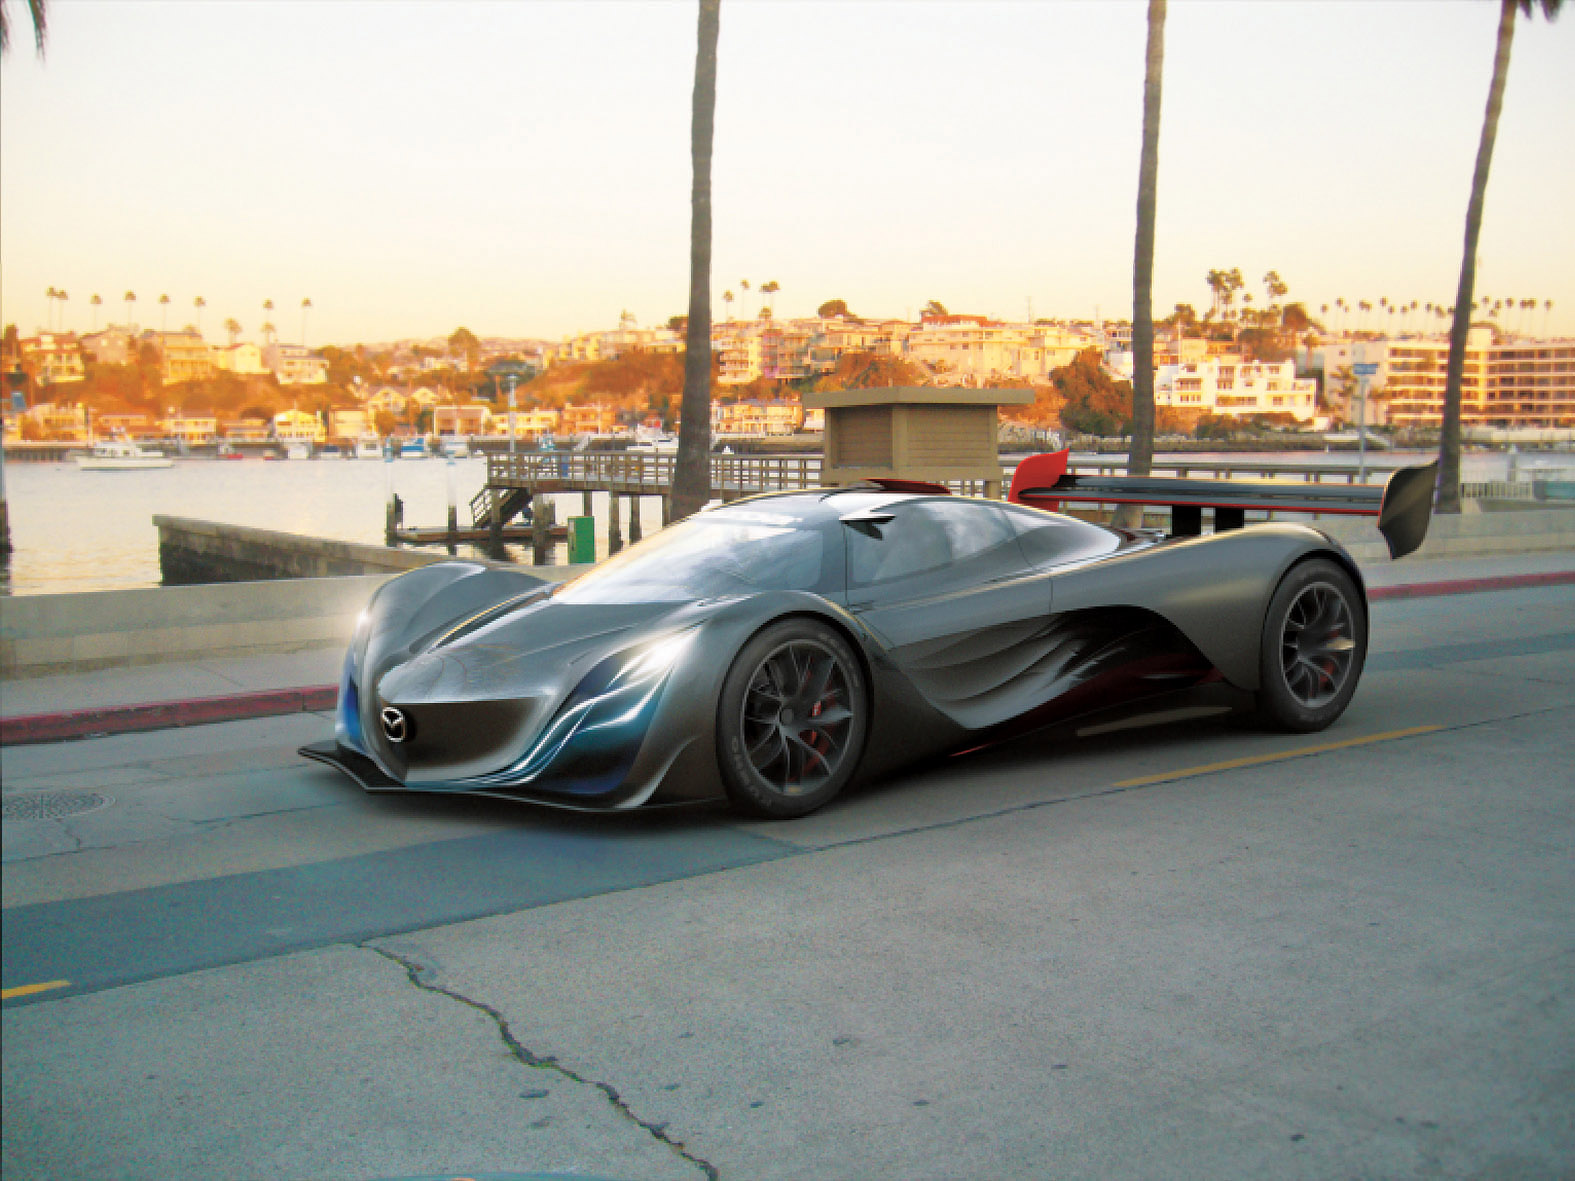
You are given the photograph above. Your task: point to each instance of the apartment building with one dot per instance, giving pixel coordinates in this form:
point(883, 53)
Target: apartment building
point(1227, 385)
point(1512, 383)
point(55, 358)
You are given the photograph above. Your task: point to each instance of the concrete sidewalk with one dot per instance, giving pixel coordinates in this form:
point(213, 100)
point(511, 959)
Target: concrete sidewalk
point(155, 696)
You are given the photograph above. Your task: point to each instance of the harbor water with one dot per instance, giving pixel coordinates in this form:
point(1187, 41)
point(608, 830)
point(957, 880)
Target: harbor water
point(77, 531)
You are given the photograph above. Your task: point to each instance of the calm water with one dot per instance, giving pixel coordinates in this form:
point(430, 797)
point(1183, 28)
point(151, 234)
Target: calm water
point(78, 531)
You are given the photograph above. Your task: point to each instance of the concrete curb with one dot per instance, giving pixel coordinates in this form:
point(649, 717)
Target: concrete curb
point(161, 715)
point(1470, 586)
point(122, 719)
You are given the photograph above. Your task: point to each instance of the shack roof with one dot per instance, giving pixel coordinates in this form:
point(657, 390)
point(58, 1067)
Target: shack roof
point(917, 395)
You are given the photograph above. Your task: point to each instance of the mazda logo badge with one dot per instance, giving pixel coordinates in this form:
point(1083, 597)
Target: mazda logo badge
point(395, 725)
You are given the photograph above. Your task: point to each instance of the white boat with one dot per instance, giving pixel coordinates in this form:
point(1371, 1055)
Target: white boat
point(655, 445)
point(369, 447)
point(456, 448)
point(413, 449)
point(121, 455)
point(298, 451)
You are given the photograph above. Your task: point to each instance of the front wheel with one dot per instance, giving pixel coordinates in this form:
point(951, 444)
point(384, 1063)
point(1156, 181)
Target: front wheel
point(792, 719)
point(1312, 649)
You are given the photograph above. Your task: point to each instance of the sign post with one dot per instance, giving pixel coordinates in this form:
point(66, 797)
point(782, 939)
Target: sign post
point(1363, 370)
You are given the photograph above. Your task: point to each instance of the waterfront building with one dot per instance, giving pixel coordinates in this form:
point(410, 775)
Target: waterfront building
point(298, 426)
point(1506, 383)
point(132, 426)
point(462, 420)
point(246, 430)
point(243, 358)
point(349, 422)
point(589, 420)
point(54, 358)
point(56, 421)
point(756, 419)
point(528, 424)
point(295, 364)
point(186, 356)
point(1227, 385)
point(190, 430)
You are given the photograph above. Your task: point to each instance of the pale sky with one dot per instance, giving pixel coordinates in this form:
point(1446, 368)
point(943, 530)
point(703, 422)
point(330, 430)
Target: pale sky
point(522, 167)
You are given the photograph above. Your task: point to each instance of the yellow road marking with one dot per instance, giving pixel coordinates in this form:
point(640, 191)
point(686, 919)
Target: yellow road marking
point(1254, 760)
point(29, 989)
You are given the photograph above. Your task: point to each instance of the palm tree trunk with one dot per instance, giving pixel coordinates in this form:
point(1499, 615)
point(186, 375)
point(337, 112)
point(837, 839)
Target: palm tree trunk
point(1141, 457)
point(692, 475)
point(1449, 435)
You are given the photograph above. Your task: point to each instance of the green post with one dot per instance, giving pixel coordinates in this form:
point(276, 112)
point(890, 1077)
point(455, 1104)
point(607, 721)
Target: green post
point(582, 539)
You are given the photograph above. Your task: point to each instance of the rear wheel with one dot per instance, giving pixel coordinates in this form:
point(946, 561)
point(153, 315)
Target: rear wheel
point(1312, 649)
point(792, 720)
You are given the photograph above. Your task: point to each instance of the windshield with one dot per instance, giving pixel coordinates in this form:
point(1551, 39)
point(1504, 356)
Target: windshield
point(705, 556)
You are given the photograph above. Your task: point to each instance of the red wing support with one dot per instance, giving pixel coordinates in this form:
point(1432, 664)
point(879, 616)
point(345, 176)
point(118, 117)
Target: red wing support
point(1403, 505)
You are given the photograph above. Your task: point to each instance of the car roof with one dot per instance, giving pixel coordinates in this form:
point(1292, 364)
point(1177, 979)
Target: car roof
point(817, 505)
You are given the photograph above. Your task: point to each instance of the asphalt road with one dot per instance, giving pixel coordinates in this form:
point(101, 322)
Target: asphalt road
point(1184, 949)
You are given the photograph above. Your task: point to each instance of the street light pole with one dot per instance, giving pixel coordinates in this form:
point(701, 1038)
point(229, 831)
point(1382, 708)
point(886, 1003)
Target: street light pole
point(511, 380)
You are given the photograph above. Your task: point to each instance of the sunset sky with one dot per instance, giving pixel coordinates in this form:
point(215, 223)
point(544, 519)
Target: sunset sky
point(522, 168)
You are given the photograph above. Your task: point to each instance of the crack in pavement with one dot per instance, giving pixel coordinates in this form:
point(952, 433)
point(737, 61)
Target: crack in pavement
point(419, 975)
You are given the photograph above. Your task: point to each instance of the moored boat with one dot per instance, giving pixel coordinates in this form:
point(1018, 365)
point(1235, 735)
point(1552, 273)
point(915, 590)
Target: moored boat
point(122, 455)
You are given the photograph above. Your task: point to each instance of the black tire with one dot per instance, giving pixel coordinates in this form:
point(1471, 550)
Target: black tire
point(774, 765)
point(1313, 646)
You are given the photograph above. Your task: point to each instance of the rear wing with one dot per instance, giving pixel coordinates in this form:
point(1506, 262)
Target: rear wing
point(1403, 505)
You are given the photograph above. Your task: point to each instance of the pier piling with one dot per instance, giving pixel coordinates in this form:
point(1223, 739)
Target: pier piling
point(634, 520)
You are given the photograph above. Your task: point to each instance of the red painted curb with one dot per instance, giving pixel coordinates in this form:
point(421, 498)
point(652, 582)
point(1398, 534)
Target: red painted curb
point(1469, 586)
point(160, 715)
point(123, 719)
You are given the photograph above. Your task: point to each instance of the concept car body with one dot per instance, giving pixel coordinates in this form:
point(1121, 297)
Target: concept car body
point(770, 649)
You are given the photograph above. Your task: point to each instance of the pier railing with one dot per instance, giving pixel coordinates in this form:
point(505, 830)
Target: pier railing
point(626, 472)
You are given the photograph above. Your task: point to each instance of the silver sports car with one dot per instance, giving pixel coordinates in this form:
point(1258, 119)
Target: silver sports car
point(771, 649)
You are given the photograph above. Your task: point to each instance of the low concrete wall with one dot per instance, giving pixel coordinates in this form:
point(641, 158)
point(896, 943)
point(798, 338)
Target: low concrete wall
point(41, 635)
point(193, 551)
point(1471, 534)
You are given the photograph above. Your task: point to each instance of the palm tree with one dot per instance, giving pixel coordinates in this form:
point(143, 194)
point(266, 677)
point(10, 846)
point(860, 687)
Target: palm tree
point(164, 314)
point(743, 285)
point(49, 313)
point(267, 319)
point(96, 301)
point(62, 296)
point(306, 306)
point(199, 303)
point(1449, 434)
point(35, 9)
point(130, 298)
point(1547, 310)
point(769, 290)
point(692, 471)
point(727, 298)
point(1140, 456)
point(233, 327)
